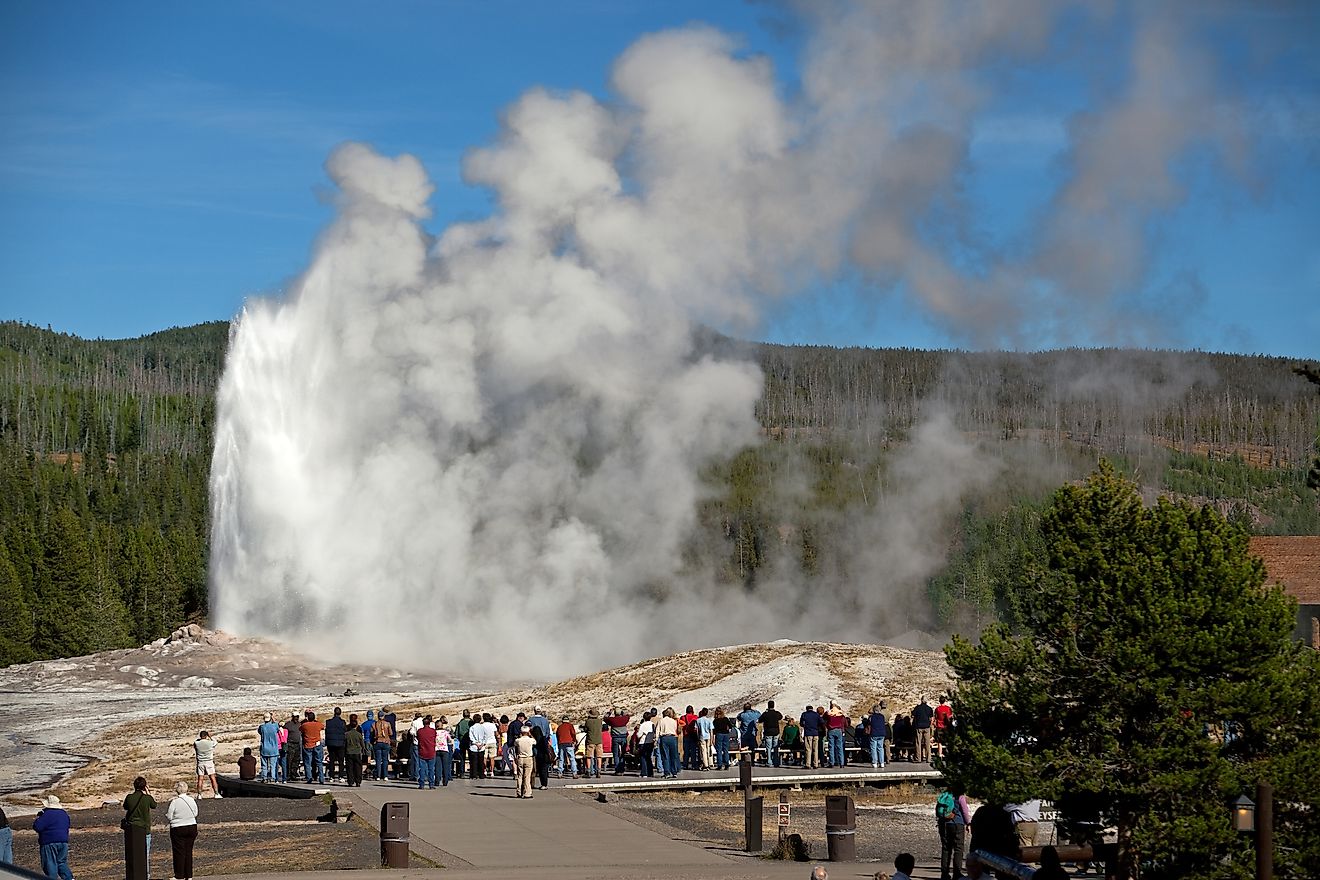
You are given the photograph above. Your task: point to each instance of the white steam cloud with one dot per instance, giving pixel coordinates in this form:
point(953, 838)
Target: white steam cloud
point(453, 447)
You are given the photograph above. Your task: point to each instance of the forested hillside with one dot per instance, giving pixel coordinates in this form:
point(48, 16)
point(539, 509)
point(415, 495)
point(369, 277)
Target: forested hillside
point(105, 448)
point(104, 453)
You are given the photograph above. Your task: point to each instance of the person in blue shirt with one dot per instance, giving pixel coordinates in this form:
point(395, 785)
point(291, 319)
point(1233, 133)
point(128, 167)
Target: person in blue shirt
point(879, 731)
point(747, 719)
point(269, 732)
point(52, 827)
point(812, 728)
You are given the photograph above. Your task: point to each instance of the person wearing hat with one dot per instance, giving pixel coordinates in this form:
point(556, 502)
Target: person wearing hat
point(269, 732)
point(566, 737)
point(524, 750)
point(52, 827)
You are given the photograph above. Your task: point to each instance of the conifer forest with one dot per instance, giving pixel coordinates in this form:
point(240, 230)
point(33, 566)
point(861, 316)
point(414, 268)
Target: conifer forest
point(105, 448)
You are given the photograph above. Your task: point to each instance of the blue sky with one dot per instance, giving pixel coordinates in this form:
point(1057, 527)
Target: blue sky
point(161, 162)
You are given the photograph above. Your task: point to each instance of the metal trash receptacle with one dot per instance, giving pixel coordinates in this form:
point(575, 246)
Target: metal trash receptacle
point(841, 828)
point(394, 837)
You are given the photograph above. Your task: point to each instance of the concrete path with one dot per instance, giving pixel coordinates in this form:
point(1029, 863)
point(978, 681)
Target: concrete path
point(483, 824)
point(479, 830)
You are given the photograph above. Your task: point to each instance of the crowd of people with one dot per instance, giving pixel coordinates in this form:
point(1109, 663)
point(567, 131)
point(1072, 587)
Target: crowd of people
point(433, 749)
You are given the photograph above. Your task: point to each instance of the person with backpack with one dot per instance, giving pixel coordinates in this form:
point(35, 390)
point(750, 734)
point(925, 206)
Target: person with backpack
point(952, 816)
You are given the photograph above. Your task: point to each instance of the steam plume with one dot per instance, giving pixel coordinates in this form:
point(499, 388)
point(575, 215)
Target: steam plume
point(448, 446)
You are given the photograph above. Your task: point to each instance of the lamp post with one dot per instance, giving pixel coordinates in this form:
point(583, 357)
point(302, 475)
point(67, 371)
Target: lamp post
point(1264, 831)
point(1258, 817)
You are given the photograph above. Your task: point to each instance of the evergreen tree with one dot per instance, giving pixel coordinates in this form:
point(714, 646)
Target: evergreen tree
point(16, 626)
point(1144, 629)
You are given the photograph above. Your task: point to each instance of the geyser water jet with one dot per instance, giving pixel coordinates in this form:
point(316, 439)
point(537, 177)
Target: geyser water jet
point(448, 452)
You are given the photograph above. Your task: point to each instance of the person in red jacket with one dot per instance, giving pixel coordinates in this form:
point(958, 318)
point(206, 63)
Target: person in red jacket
point(566, 737)
point(425, 739)
point(618, 728)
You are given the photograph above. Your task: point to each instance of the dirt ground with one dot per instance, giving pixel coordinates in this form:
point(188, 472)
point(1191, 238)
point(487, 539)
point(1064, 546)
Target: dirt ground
point(889, 821)
point(235, 835)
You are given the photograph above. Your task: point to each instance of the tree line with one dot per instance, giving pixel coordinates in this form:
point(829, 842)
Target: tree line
point(105, 449)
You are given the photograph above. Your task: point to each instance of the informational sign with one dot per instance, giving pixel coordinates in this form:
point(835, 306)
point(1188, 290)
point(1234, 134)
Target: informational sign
point(783, 815)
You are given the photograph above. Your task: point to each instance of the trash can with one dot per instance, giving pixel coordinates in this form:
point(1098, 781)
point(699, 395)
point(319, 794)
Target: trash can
point(841, 828)
point(394, 839)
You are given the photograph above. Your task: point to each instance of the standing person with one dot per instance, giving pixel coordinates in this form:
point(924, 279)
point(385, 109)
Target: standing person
point(461, 734)
point(492, 735)
point(691, 740)
point(723, 727)
point(771, 718)
point(292, 749)
point(336, 733)
point(524, 755)
point(922, 716)
point(413, 756)
point(182, 816)
point(645, 744)
point(269, 732)
point(313, 748)
point(618, 722)
point(52, 827)
point(541, 752)
point(444, 750)
point(706, 737)
point(204, 749)
point(666, 730)
point(425, 740)
point(595, 745)
point(137, 815)
point(835, 723)
point(566, 737)
point(747, 719)
point(811, 729)
point(943, 713)
point(1026, 816)
point(952, 816)
point(355, 751)
point(879, 730)
point(381, 734)
point(6, 840)
point(477, 748)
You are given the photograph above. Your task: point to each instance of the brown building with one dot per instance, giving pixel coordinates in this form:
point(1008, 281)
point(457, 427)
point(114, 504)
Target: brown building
point(1294, 562)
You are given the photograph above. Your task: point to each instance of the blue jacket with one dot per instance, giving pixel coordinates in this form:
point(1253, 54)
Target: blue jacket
point(52, 826)
point(811, 723)
point(270, 739)
point(336, 731)
point(368, 724)
point(747, 718)
point(879, 727)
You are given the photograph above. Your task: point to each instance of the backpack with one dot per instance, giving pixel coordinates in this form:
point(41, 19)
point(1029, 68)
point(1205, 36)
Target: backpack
point(944, 806)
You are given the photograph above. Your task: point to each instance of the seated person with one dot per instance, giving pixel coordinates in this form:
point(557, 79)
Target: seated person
point(247, 765)
point(790, 742)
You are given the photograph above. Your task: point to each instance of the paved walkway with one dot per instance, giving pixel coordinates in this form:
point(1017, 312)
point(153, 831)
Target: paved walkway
point(480, 829)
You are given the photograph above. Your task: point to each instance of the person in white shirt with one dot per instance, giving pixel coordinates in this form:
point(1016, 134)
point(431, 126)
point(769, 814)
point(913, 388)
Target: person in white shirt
point(182, 816)
point(205, 748)
point(645, 745)
point(1025, 816)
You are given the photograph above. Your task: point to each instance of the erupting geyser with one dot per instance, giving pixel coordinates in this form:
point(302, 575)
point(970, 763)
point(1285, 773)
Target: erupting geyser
point(461, 450)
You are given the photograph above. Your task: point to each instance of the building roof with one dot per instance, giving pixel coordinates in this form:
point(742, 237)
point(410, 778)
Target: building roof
point(1294, 562)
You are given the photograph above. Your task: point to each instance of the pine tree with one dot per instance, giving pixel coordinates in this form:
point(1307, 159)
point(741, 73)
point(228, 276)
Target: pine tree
point(1146, 628)
point(16, 625)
